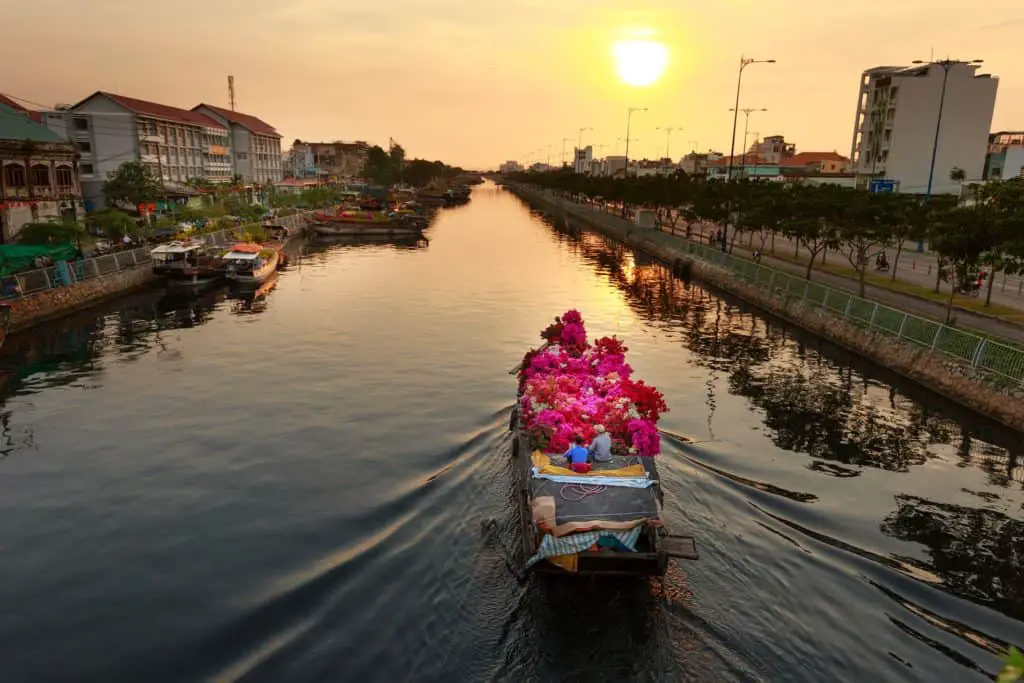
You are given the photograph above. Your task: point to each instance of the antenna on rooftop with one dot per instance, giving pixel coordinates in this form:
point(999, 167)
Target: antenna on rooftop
point(231, 91)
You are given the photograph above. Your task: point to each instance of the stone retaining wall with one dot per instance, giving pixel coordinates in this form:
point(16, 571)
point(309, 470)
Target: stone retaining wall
point(935, 371)
point(52, 303)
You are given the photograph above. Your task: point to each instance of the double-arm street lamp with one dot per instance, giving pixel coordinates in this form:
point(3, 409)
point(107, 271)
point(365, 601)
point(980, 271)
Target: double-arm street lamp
point(746, 125)
point(629, 119)
point(668, 139)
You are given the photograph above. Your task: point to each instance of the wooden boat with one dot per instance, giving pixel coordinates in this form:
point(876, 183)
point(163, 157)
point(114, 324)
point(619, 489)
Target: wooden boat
point(364, 223)
point(250, 264)
point(188, 263)
point(277, 239)
point(606, 521)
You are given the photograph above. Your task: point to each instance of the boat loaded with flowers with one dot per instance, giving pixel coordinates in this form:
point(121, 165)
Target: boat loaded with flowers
point(607, 520)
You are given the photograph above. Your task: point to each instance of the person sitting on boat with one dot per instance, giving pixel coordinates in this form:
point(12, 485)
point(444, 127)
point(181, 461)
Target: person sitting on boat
point(576, 456)
point(601, 446)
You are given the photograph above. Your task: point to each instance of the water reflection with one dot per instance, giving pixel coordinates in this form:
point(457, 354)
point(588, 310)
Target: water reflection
point(976, 552)
point(845, 415)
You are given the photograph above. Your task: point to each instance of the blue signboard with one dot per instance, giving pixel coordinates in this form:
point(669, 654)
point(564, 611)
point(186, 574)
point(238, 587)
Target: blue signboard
point(882, 185)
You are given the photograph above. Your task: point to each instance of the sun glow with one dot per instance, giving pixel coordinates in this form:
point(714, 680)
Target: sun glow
point(640, 62)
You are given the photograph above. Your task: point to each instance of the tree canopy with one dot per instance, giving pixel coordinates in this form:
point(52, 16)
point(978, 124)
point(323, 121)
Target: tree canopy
point(132, 183)
point(986, 232)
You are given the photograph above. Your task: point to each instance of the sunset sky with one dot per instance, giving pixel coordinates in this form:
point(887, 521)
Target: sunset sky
point(476, 82)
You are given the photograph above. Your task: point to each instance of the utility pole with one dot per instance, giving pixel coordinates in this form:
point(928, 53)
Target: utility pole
point(231, 91)
point(629, 119)
point(564, 140)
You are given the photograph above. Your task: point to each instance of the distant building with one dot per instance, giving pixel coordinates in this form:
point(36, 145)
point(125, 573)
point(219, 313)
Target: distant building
point(298, 161)
point(696, 163)
point(614, 165)
point(582, 159)
point(38, 174)
point(337, 161)
point(539, 167)
point(175, 144)
point(773, 149)
point(817, 163)
point(255, 145)
point(1005, 158)
point(897, 113)
point(510, 167)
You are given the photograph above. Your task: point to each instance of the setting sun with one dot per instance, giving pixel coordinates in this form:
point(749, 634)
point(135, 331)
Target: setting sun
point(640, 62)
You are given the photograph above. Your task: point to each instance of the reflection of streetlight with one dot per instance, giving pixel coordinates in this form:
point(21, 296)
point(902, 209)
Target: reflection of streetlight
point(629, 118)
point(668, 139)
point(746, 124)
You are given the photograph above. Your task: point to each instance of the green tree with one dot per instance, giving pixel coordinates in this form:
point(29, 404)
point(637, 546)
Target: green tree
point(812, 223)
point(113, 223)
point(1005, 252)
point(379, 168)
point(862, 227)
point(960, 237)
point(51, 233)
point(132, 183)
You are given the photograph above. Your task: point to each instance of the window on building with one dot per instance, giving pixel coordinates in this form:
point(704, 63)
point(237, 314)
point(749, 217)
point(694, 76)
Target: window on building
point(84, 146)
point(41, 175)
point(86, 169)
point(64, 177)
point(14, 176)
point(80, 123)
point(241, 156)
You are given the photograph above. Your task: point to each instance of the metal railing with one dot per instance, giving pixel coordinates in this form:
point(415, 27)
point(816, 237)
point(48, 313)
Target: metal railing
point(67, 274)
point(970, 350)
point(21, 284)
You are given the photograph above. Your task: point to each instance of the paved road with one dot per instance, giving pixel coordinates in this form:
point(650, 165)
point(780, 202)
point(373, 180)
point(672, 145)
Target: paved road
point(919, 269)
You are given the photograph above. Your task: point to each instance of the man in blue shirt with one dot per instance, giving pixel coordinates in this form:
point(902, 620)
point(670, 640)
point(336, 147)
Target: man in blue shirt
point(576, 456)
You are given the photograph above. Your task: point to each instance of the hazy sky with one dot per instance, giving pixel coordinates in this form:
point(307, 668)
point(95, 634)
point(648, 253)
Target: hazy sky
point(476, 82)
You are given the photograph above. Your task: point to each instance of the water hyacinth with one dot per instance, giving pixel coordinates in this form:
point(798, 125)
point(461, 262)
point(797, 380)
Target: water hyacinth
point(569, 386)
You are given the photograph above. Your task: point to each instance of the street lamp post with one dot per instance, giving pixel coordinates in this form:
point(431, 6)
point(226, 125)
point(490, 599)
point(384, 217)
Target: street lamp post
point(746, 125)
point(744, 63)
point(579, 147)
point(946, 65)
point(629, 119)
point(668, 139)
point(564, 140)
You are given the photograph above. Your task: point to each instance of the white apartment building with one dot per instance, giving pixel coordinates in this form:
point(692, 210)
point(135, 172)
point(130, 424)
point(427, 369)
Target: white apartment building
point(109, 130)
point(582, 159)
point(510, 167)
point(300, 161)
point(897, 114)
point(255, 145)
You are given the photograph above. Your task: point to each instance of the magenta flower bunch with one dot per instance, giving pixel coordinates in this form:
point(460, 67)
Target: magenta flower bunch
point(569, 387)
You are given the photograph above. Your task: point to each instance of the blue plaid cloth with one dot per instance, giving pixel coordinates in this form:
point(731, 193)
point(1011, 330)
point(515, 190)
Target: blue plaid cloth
point(577, 543)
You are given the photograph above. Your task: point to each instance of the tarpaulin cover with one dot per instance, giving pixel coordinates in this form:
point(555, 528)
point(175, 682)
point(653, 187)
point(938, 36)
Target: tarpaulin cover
point(15, 258)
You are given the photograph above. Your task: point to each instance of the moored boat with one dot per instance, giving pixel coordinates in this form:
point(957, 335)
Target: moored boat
point(188, 263)
point(602, 517)
point(250, 264)
point(364, 222)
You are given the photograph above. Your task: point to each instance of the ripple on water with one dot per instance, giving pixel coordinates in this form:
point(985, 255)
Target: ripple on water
point(293, 490)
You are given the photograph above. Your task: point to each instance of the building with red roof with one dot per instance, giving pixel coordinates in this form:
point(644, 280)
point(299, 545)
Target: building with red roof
point(255, 144)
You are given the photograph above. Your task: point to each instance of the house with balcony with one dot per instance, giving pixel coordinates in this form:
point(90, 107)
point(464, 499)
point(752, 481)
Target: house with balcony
point(255, 144)
point(1005, 157)
point(175, 144)
point(38, 174)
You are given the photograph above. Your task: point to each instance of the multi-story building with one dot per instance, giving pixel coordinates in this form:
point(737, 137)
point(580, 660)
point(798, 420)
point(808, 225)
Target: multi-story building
point(897, 116)
point(1005, 158)
point(510, 167)
point(582, 159)
point(38, 174)
point(255, 145)
point(298, 162)
point(773, 149)
point(175, 144)
point(815, 163)
point(338, 160)
point(696, 163)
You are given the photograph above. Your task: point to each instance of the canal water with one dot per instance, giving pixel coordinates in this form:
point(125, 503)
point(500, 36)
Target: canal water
point(293, 488)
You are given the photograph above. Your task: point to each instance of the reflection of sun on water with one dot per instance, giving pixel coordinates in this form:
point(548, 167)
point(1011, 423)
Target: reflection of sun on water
point(640, 62)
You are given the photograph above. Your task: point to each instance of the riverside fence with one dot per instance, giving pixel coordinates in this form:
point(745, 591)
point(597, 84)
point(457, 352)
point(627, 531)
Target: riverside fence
point(66, 274)
point(981, 353)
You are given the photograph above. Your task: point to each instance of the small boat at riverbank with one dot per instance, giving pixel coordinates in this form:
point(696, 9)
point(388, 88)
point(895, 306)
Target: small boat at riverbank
point(365, 223)
point(248, 263)
point(601, 517)
point(188, 263)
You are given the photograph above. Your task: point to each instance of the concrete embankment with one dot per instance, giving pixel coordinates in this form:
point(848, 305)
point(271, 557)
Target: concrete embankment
point(50, 303)
point(939, 372)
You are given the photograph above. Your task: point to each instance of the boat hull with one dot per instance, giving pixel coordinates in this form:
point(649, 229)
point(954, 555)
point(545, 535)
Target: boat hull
point(257, 277)
point(381, 228)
